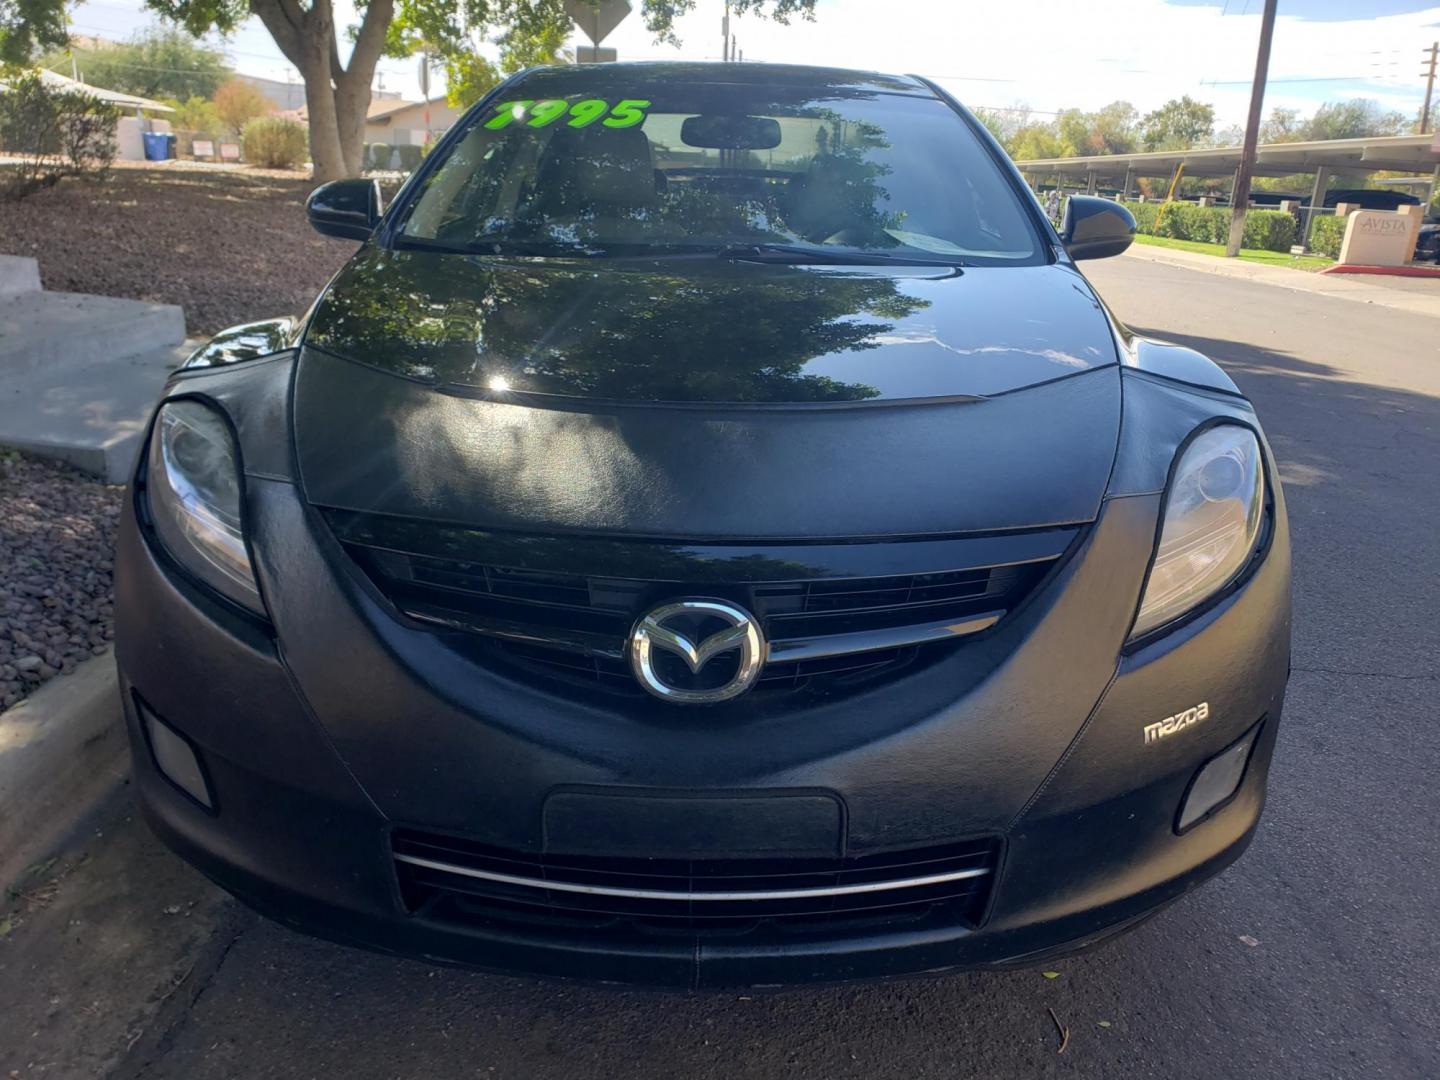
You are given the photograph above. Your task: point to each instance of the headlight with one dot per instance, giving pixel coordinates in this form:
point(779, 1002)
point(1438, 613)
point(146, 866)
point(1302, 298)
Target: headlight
point(193, 488)
point(1212, 523)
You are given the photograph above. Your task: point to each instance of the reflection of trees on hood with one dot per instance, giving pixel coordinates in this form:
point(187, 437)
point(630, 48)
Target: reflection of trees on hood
point(722, 333)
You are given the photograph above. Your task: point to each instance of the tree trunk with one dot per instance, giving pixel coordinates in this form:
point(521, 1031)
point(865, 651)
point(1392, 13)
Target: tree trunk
point(352, 102)
point(336, 98)
point(327, 155)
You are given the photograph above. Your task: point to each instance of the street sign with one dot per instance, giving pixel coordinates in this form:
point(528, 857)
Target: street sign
point(596, 21)
point(594, 54)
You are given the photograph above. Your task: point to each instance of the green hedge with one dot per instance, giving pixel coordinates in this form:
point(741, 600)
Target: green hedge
point(1269, 230)
point(1327, 233)
point(1145, 214)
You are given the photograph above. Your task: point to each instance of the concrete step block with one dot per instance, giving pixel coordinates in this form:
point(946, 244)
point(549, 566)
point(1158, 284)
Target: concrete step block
point(41, 329)
point(18, 275)
point(87, 413)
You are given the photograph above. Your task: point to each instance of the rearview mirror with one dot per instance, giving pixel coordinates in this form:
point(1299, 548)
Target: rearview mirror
point(348, 209)
point(1096, 228)
point(731, 131)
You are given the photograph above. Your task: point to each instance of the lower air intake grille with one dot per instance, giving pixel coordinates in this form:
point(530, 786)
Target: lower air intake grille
point(450, 879)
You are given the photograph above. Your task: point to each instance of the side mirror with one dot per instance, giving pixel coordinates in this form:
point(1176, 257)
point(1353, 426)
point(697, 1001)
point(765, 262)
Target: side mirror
point(1096, 228)
point(348, 209)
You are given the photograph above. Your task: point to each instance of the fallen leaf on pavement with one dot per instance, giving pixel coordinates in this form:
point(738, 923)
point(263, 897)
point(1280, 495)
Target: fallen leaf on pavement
point(1051, 974)
point(1248, 940)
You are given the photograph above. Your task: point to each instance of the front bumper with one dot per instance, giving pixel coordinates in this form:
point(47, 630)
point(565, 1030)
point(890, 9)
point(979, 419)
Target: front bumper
point(321, 739)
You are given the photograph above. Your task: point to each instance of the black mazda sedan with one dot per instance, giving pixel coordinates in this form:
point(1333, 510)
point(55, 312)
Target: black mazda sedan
point(709, 534)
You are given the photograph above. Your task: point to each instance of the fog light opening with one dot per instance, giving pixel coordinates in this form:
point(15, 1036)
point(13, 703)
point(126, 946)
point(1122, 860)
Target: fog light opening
point(176, 758)
point(1217, 781)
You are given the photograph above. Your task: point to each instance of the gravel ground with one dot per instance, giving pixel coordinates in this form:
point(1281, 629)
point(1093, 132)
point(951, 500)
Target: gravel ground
point(228, 247)
point(57, 531)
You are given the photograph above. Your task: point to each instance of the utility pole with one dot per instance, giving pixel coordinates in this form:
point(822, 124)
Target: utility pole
point(1429, 74)
point(725, 33)
point(1240, 197)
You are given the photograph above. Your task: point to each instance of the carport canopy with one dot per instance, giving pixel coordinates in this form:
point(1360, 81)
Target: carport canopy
point(1399, 153)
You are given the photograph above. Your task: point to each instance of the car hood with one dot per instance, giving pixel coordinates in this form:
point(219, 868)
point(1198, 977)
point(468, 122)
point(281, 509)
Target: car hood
point(707, 397)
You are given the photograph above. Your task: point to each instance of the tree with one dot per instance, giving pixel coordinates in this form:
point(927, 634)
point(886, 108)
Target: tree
point(1005, 124)
point(337, 94)
point(237, 102)
point(1353, 120)
point(1282, 125)
point(53, 134)
point(1034, 141)
point(468, 78)
point(469, 75)
point(1110, 130)
point(161, 62)
point(1179, 124)
point(1232, 135)
point(30, 26)
point(196, 115)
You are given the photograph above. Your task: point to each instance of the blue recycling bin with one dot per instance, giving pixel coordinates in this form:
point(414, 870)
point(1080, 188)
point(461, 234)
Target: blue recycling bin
point(159, 145)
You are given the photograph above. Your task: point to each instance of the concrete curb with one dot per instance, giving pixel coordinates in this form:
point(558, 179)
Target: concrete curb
point(1335, 286)
point(61, 751)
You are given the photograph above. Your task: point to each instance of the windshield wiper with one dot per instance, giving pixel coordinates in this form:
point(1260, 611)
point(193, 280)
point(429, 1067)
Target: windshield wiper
point(800, 254)
point(499, 246)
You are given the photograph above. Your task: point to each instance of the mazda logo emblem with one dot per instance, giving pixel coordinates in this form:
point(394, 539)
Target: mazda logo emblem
point(657, 631)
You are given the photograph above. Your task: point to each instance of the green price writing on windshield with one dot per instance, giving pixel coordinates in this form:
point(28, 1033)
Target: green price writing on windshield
point(538, 114)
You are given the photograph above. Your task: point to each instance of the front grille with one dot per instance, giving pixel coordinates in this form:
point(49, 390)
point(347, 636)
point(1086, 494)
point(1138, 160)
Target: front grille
point(451, 879)
point(577, 621)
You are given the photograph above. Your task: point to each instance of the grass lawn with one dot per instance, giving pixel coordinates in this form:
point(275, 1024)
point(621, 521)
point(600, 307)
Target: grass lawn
point(1270, 258)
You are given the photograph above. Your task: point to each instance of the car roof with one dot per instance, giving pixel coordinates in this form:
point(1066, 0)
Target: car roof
point(713, 73)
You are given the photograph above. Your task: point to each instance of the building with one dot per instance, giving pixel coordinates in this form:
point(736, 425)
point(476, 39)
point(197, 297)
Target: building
point(408, 123)
point(290, 96)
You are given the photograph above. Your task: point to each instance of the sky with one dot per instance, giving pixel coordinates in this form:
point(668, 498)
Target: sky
point(1047, 54)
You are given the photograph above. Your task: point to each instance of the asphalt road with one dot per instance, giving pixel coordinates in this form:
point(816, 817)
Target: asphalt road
point(1315, 956)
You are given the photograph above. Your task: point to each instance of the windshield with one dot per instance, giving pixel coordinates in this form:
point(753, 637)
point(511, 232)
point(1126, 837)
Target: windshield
point(578, 163)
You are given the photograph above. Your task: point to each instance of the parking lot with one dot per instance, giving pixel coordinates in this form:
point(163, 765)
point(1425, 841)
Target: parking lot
point(1315, 956)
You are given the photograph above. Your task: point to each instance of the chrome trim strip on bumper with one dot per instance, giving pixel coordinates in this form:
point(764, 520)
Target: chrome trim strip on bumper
point(667, 894)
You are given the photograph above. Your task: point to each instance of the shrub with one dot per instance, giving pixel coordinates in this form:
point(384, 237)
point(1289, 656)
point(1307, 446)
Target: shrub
point(1327, 233)
point(54, 133)
point(1269, 230)
point(275, 142)
point(409, 158)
